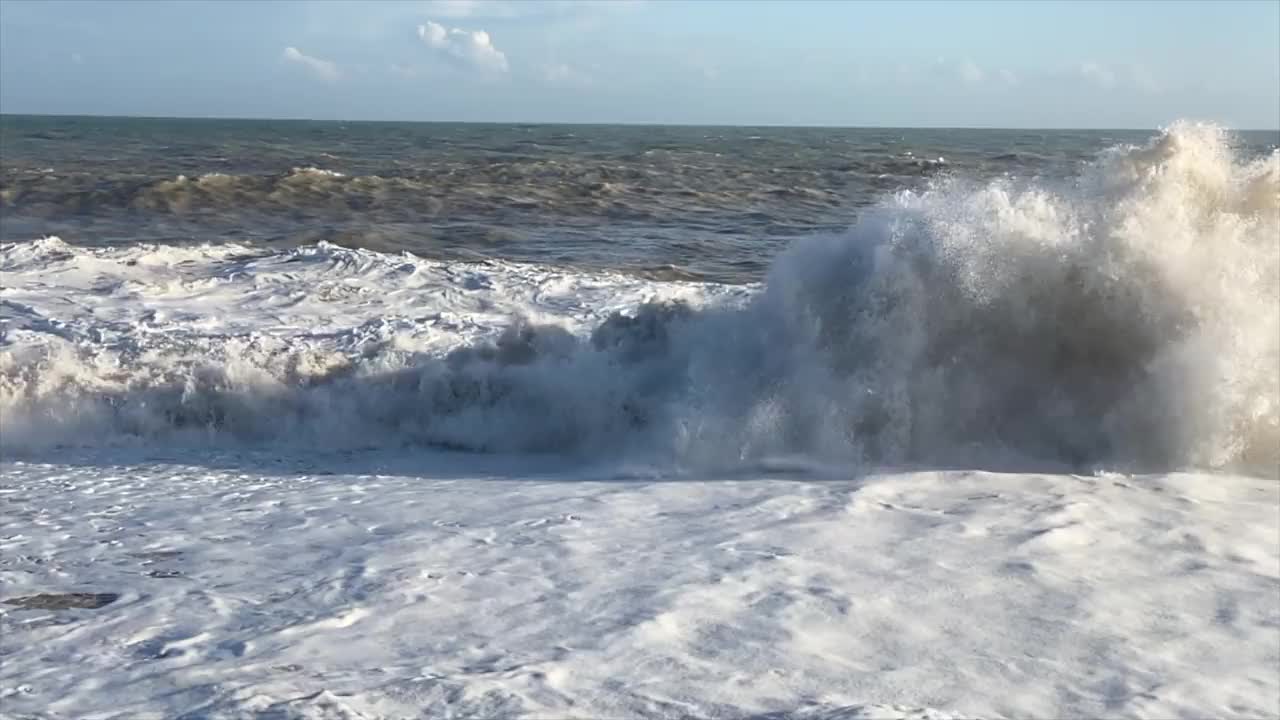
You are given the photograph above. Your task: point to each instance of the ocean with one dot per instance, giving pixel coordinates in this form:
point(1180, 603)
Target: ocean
point(689, 294)
point(389, 420)
point(697, 203)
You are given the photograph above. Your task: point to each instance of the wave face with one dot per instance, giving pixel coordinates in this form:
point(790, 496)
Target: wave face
point(1129, 318)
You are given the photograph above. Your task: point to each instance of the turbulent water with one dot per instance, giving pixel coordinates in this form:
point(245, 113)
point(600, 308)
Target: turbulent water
point(701, 203)
point(683, 297)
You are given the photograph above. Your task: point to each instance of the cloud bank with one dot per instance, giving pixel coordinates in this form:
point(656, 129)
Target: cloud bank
point(968, 72)
point(1097, 74)
point(1133, 76)
point(471, 47)
point(323, 69)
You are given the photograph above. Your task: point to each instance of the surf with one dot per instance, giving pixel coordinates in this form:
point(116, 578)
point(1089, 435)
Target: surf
point(1127, 317)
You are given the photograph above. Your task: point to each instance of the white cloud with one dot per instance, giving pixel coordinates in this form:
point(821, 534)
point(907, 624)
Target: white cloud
point(1008, 77)
point(966, 71)
point(1133, 76)
point(323, 69)
point(473, 47)
point(1099, 75)
point(434, 35)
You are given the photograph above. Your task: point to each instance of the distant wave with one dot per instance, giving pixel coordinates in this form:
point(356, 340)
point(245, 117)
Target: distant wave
point(550, 186)
point(1129, 318)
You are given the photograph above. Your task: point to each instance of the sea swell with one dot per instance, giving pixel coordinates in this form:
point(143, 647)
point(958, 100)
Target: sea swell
point(548, 186)
point(1128, 318)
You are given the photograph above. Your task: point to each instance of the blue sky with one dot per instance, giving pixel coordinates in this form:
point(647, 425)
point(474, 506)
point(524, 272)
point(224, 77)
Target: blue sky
point(951, 63)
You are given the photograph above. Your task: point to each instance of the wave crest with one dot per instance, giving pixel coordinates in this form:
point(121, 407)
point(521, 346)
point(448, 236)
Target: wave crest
point(1129, 318)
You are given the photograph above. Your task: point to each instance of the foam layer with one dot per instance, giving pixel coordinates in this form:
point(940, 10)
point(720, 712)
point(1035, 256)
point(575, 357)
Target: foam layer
point(1127, 318)
point(390, 585)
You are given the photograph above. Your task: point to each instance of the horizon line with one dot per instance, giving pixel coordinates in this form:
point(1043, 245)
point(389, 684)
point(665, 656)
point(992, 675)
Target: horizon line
point(632, 123)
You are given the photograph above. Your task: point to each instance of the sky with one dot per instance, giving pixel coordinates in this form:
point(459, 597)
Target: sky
point(756, 62)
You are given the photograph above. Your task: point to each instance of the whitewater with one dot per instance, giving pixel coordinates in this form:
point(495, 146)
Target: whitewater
point(1004, 448)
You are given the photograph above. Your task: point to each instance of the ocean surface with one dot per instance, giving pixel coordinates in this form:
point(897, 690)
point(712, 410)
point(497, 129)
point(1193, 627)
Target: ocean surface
point(685, 296)
point(319, 421)
point(708, 203)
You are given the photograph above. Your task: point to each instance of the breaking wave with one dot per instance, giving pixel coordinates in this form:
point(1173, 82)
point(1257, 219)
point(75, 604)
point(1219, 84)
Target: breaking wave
point(1126, 318)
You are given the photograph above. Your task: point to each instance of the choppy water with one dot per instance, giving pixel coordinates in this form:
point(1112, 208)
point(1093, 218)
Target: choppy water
point(700, 202)
point(1060, 297)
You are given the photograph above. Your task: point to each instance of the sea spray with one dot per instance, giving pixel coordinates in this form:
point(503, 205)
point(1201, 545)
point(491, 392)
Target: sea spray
point(1128, 317)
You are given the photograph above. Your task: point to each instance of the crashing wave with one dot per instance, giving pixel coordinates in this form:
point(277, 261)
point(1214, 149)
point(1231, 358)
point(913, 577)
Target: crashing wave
point(1128, 318)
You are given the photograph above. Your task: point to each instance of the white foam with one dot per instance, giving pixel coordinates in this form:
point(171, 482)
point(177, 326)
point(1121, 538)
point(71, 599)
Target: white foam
point(1127, 319)
point(266, 565)
point(383, 585)
point(315, 172)
point(110, 344)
